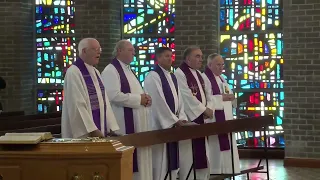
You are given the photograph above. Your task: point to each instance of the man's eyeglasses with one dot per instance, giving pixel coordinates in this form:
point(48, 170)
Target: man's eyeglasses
point(96, 49)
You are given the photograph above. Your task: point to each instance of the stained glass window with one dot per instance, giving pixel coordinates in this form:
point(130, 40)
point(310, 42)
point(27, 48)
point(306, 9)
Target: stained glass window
point(49, 100)
point(251, 42)
point(55, 48)
point(148, 25)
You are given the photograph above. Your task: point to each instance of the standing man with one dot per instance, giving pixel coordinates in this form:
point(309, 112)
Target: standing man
point(167, 112)
point(129, 103)
point(197, 108)
point(223, 98)
point(86, 110)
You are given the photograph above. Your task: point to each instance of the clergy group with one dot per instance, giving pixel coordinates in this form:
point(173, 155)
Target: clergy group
point(113, 103)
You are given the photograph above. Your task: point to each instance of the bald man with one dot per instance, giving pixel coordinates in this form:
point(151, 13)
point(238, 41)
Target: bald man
point(223, 98)
point(129, 104)
point(86, 110)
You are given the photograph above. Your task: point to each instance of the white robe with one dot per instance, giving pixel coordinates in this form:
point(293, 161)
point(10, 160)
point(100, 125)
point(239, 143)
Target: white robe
point(77, 120)
point(162, 118)
point(220, 161)
point(193, 109)
point(119, 100)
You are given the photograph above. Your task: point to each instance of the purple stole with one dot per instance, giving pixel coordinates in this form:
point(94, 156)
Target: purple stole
point(219, 114)
point(172, 148)
point(128, 113)
point(199, 146)
point(94, 102)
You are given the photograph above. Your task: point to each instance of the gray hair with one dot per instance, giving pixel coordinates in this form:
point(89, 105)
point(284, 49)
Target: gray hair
point(211, 57)
point(84, 43)
point(188, 51)
point(119, 45)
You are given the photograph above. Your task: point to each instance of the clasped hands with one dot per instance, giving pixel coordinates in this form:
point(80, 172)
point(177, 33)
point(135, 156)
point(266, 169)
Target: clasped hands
point(146, 100)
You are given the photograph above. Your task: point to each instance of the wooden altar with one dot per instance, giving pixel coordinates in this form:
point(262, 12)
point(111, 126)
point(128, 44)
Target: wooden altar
point(62, 159)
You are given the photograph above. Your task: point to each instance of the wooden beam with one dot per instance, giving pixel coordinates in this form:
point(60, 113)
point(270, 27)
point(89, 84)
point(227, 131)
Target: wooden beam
point(149, 138)
point(300, 162)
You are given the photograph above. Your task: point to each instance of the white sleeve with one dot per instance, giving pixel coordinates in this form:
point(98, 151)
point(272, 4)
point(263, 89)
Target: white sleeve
point(80, 116)
point(159, 109)
point(192, 106)
point(111, 81)
point(216, 100)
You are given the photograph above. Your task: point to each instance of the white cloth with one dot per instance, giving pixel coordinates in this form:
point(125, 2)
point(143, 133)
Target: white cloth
point(193, 109)
point(220, 161)
point(77, 120)
point(162, 118)
point(119, 100)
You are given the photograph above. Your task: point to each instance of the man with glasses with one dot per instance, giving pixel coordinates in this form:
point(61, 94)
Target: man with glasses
point(129, 103)
point(223, 100)
point(86, 108)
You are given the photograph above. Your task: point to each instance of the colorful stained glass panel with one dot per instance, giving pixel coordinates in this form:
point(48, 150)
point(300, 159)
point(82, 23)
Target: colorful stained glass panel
point(54, 17)
point(144, 60)
point(250, 15)
point(253, 61)
point(53, 56)
point(49, 100)
point(255, 104)
point(148, 16)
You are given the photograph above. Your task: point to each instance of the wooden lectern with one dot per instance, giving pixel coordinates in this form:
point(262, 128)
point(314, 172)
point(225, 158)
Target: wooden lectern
point(63, 159)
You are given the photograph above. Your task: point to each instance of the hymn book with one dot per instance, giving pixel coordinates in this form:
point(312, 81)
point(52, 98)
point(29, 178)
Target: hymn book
point(25, 138)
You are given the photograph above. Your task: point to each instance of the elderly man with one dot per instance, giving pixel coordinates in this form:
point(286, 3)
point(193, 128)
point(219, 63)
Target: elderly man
point(86, 109)
point(129, 103)
point(197, 108)
point(167, 112)
point(223, 98)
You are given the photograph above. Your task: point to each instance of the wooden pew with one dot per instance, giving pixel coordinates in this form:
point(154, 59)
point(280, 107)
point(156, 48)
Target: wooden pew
point(11, 113)
point(52, 125)
point(183, 133)
point(20, 117)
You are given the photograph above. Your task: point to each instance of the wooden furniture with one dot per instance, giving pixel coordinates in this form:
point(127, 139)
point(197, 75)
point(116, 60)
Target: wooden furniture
point(62, 159)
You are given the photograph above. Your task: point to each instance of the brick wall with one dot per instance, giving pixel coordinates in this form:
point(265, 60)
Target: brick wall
point(99, 19)
point(196, 24)
point(16, 55)
point(302, 78)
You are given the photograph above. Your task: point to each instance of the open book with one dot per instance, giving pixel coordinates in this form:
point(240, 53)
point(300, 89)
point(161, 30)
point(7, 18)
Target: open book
point(25, 138)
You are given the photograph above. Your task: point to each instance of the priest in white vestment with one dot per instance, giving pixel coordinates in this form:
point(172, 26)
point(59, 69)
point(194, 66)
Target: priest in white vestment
point(197, 108)
point(224, 100)
point(129, 103)
point(86, 110)
point(167, 111)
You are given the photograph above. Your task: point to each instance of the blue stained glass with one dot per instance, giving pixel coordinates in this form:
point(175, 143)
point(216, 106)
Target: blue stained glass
point(231, 17)
point(239, 67)
point(131, 10)
point(258, 1)
point(233, 51)
point(222, 15)
point(246, 87)
point(279, 121)
point(276, 12)
point(222, 2)
point(279, 47)
point(266, 48)
point(150, 11)
point(270, 2)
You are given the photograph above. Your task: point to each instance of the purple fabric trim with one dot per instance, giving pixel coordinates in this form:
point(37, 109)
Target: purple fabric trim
point(172, 148)
point(198, 145)
point(128, 113)
point(94, 102)
point(219, 114)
